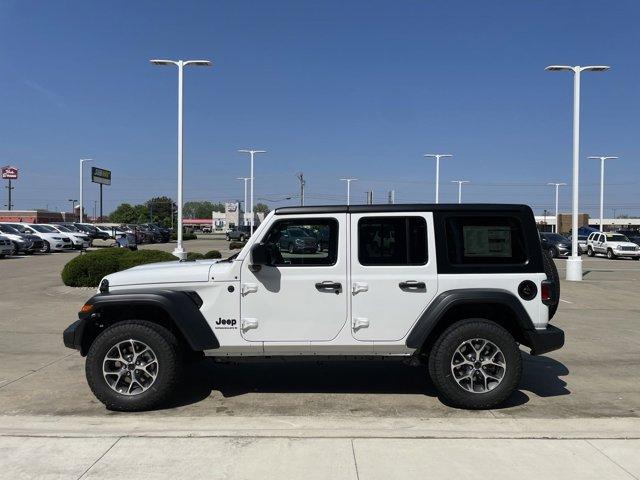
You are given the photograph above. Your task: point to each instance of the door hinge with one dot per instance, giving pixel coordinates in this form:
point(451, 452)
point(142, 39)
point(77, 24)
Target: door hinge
point(248, 324)
point(248, 288)
point(360, 322)
point(358, 287)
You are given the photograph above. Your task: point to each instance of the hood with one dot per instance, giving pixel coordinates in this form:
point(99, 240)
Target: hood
point(167, 272)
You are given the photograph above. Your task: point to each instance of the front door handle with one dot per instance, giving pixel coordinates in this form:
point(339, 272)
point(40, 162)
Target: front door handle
point(329, 285)
point(412, 285)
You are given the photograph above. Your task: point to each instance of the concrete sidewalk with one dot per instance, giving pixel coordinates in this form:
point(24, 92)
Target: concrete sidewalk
point(135, 446)
point(316, 458)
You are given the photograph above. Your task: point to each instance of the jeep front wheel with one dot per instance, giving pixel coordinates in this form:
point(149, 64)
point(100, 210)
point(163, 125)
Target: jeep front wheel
point(610, 254)
point(133, 365)
point(475, 364)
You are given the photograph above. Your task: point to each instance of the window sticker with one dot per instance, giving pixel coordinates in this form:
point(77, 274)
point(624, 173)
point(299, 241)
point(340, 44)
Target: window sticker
point(487, 241)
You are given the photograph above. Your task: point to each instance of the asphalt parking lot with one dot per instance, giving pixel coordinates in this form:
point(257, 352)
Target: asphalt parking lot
point(593, 379)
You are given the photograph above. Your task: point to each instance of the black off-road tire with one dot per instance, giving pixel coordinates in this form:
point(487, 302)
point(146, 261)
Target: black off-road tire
point(442, 353)
point(552, 274)
point(166, 349)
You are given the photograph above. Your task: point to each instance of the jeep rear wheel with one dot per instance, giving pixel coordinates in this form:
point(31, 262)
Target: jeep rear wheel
point(475, 364)
point(590, 251)
point(133, 365)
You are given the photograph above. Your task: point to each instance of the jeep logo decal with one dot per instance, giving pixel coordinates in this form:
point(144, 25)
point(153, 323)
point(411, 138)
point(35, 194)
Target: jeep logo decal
point(226, 321)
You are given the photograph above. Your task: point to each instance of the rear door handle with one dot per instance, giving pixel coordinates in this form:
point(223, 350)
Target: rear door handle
point(329, 285)
point(412, 285)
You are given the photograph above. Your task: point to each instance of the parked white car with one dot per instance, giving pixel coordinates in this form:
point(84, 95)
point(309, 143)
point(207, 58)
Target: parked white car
point(80, 240)
point(54, 241)
point(113, 234)
point(613, 245)
point(6, 246)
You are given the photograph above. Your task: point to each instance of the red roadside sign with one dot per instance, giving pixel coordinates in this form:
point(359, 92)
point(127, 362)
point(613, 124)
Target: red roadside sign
point(9, 173)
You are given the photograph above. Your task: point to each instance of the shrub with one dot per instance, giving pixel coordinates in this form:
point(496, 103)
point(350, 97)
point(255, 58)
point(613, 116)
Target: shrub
point(87, 270)
point(236, 245)
point(213, 254)
point(194, 256)
point(185, 236)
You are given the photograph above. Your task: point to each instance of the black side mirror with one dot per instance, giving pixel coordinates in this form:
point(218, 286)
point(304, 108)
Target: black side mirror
point(261, 254)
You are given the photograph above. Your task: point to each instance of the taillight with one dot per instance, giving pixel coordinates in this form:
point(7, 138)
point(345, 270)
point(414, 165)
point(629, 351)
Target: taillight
point(546, 291)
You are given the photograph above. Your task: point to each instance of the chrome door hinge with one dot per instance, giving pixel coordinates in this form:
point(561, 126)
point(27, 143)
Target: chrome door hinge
point(360, 322)
point(248, 288)
point(358, 287)
point(248, 324)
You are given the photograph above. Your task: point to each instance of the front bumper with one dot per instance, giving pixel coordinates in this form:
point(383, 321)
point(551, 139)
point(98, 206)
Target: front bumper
point(544, 340)
point(627, 253)
point(72, 335)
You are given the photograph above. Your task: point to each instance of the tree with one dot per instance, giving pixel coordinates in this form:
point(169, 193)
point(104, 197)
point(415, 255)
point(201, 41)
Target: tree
point(125, 213)
point(261, 208)
point(201, 209)
point(160, 209)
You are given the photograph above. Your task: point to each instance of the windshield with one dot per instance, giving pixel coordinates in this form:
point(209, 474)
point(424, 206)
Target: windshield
point(43, 228)
point(9, 229)
point(20, 228)
point(62, 228)
point(616, 237)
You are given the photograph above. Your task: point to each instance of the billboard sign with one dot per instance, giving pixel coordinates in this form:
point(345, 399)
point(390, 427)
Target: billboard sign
point(9, 173)
point(100, 175)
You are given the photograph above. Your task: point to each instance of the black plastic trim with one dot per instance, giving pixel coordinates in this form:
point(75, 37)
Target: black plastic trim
point(453, 298)
point(180, 306)
point(543, 341)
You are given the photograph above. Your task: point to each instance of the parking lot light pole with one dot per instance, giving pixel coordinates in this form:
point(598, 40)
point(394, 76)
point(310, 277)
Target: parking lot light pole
point(82, 160)
point(460, 182)
point(244, 214)
point(557, 185)
point(179, 250)
point(252, 153)
point(602, 160)
point(348, 180)
point(437, 156)
point(574, 262)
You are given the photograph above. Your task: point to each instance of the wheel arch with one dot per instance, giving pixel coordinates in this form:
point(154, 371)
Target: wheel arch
point(177, 311)
point(499, 306)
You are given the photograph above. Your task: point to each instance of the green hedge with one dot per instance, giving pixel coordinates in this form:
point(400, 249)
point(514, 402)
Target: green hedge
point(194, 256)
point(87, 270)
point(185, 236)
point(213, 254)
point(236, 245)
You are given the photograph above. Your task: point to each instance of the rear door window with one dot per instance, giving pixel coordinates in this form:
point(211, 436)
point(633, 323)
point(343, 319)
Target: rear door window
point(392, 241)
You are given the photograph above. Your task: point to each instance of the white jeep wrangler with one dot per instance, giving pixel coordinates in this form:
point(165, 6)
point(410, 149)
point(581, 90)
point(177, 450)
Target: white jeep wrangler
point(455, 287)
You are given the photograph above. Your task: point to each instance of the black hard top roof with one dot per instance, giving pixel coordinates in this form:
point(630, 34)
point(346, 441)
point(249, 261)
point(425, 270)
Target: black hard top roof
point(405, 207)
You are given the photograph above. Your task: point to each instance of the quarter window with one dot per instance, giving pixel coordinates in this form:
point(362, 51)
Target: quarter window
point(392, 241)
point(304, 241)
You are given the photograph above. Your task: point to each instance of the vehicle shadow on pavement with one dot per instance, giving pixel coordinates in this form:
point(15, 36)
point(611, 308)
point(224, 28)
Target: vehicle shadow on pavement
point(541, 376)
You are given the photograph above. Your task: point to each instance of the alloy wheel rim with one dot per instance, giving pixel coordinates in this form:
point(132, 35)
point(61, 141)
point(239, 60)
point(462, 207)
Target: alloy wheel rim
point(478, 365)
point(130, 367)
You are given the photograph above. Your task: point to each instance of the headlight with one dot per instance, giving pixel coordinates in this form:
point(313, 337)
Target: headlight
point(57, 238)
point(299, 241)
point(618, 247)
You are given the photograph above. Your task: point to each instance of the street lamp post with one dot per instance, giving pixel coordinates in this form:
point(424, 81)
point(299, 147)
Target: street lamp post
point(557, 185)
point(602, 160)
point(574, 263)
point(82, 160)
point(252, 153)
point(460, 182)
point(348, 180)
point(244, 214)
point(179, 250)
point(437, 156)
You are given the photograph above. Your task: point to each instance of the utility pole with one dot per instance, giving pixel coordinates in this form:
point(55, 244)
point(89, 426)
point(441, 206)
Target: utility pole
point(391, 198)
point(95, 203)
point(244, 213)
point(574, 262)
point(82, 160)
point(9, 187)
point(369, 199)
point(73, 207)
point(303, 182)
point(348, 180)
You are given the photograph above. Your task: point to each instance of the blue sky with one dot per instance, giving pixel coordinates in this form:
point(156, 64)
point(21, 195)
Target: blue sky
point(329, 88)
